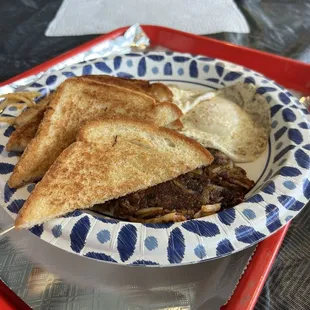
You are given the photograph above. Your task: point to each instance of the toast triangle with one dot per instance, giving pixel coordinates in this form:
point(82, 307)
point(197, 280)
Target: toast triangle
point(75, 102)
point(110, 159)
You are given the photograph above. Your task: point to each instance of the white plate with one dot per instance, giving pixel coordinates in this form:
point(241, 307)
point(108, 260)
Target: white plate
point(282, 173)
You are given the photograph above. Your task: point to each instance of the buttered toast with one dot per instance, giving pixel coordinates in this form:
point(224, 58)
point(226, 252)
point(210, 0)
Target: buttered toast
point(75, 102)
point(30, 119)
point(110, 158)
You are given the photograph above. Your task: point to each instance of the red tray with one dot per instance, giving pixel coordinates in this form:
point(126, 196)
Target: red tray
point(289, 73)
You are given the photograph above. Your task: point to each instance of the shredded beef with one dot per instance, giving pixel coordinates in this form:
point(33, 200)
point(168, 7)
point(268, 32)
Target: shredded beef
point(221, 182)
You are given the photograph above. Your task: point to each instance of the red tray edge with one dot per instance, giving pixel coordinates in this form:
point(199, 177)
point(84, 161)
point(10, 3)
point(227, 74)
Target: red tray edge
point(255, 275)
point(253, 279)
point(9, 300)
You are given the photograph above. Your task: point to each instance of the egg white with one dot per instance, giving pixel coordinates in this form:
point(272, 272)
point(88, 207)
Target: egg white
point(216, 121)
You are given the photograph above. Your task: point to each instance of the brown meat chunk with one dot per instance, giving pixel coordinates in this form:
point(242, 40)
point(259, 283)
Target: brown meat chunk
point(221, 182)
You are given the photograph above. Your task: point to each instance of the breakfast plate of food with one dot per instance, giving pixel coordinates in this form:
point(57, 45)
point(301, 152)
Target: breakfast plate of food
point(153, 159)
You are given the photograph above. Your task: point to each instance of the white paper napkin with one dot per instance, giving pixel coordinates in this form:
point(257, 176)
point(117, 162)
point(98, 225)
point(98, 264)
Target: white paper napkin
point(80, 17)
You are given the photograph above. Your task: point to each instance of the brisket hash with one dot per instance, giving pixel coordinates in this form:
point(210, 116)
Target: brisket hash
point(197, 193)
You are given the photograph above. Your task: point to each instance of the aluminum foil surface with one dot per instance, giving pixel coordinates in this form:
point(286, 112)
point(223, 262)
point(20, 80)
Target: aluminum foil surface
point(133, 38)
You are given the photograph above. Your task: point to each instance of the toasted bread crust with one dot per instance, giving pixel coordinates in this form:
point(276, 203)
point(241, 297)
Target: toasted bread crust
point(160, 92)
point(143, 126)
point(175, 125)
point(33, 116)
point(21, 137)
point(64, 116)
point(30, 115)
point(143, 155)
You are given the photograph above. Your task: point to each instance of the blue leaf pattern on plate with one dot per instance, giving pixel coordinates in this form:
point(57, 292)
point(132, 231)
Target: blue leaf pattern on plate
point(272, 218)
point(16, 205)
point(219, 67)
point(213, 80)
point(180, 58)
point(302, 159)
point(30, 187)
point(295, 135)
point(8, 192)
point(249, 80)
point(205, 59)
point(151, 243)
point(6, 168)
point(72, 214)
point(13, 154)
point(36, 85)
point(87, 70)
point(224, 247)
point(144, 263)
point(79, 234)
point(249, 214)
point(274, 109)
point(269, 188)
point(307, 147)
point(133, 55)
point(168, 69)
point(248, 234)
point(306, 188)
point(268, 99)
point(9, 131)
point(142, 67)
point(263, 90)
point(206, 68)
point(289, 172)
point(255, 198)
point(155, 70)
point(106, 220)
point(37, 230)
point(68, 74)
point(180, 71)
point(290, 203)
point(117, 62)
point(103, 236)
point(1, 148)
point(126, 241)
point(43, 92)
point(156, 57)
point(288, 115)
point(57, 231)
point(125, 75)
point(201, 228)
point(283, 152)
point(200, 251)
point(103, 67)
point(193, 70)
point(284, 98)
point(100, 256)
point(304, 125)
point(227, 216)
point(274, 124)
point(51, 80)
point(280, 133)
point(158, 226)
point(176, 246)
point(289, 185)
point(232, 76)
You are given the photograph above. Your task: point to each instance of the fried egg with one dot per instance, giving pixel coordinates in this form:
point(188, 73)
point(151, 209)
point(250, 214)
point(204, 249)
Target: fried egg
point(234, 120)
point(186, 99)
